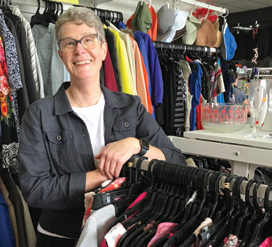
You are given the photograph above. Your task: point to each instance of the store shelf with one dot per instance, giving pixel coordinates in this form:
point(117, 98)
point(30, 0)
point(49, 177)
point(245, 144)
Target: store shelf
point(244, 154)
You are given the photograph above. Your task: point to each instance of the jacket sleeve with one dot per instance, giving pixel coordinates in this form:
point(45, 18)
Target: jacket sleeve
point(149, 129)
point(41, 185)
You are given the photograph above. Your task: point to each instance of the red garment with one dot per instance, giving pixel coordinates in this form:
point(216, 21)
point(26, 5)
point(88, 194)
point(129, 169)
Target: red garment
point(109, 77)
point(114, 185)
point(267, 242)
point(198, 116)
point(201, 13)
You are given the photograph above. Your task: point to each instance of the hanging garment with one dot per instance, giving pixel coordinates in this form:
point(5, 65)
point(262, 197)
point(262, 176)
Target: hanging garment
point(35, 65)
point(195, 90)
point(156, 81)
point(22, 94)
point(130, 55)
point(96, 227)
point(125, 73)
point(18, 207)
point(7, 237)
point(9, 138)
point(142, 82)
point(109, 76)
point(186, 70)
point(113, 54)
point(12, 216)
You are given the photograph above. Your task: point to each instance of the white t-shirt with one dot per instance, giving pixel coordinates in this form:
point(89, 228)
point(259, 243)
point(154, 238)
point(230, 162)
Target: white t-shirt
point(93, 116)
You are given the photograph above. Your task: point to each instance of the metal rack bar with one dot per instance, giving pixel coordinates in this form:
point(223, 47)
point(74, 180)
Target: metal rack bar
point(204, 49)
point(260, 192)
point(204, 5)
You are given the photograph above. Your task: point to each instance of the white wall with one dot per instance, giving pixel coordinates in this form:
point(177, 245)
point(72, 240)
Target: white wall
point(127, 7)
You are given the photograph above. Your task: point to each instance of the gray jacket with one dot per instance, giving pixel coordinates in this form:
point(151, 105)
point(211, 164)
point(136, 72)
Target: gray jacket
point(55, 153)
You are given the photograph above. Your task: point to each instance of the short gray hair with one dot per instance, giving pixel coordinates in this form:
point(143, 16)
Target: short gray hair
point(80, 15)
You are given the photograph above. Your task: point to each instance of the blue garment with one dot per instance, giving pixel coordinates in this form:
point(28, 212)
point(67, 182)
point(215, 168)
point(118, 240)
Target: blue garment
point(195, 90)
point(220, 98)
point(229, 47)
point(156, 93)
point(121, 25)
point(140, 41)
point(6, 234)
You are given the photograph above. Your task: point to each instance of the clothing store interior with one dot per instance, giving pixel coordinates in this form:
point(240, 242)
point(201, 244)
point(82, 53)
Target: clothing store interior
point(202, 71)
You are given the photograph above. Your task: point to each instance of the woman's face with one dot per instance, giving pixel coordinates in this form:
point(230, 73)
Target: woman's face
point(81, 63)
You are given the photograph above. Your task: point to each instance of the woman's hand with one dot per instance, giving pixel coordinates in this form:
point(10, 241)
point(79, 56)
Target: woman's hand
point(114, 155)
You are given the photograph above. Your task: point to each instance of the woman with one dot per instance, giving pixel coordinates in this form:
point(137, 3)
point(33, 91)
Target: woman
point(73, 141)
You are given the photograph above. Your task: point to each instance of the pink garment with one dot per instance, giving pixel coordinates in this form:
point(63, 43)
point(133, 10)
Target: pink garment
point(104, 243)
point(138, 199)
point(163, 229)
point(267, 242)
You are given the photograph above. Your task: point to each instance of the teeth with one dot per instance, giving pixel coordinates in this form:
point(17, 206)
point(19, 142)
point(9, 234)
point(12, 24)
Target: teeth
point(83, 62)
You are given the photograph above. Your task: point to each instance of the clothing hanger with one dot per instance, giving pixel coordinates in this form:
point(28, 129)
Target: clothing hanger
point(164, 174)
point(38, 18)
point(223, 230)
point(137, 219)
point(139, 176)
point(247, 211)
point(240, 205)
point(255, 218)
point(111, 197)
point(183, 230)
point(140, 236)
point(263, 228)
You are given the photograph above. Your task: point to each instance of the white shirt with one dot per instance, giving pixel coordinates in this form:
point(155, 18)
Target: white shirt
point(93, 116)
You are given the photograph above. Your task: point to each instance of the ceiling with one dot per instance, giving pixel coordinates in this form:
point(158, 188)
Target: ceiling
point(240, 5)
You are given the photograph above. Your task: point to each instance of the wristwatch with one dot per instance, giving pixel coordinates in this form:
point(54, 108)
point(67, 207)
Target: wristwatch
point(144, 146)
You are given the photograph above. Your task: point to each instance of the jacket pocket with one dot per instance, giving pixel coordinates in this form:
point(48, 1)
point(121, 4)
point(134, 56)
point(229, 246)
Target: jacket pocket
point(125, 127)
point(60, 144)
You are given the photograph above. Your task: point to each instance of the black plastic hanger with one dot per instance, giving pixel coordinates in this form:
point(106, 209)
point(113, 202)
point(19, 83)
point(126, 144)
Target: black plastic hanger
point(240, 205)
point(255, 218)
point(247, 212)
point(263, 228)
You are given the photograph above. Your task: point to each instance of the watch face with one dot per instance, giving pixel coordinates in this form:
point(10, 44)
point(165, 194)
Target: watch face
point(144, 146)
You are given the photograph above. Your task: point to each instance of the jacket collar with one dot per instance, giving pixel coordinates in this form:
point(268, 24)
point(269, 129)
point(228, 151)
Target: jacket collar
point(62, 104)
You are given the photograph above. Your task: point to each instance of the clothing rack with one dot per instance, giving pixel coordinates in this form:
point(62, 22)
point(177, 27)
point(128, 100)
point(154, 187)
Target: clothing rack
point(260, 193)
point(193, 48)
point(104, 14)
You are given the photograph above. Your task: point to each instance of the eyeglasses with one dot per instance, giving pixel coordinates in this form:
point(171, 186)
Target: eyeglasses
point(88, 42)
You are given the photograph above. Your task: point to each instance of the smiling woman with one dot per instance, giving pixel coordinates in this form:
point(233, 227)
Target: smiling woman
point(75, 140)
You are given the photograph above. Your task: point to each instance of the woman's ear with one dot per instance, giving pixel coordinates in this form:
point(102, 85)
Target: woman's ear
point(60, 55)
point(104, 50)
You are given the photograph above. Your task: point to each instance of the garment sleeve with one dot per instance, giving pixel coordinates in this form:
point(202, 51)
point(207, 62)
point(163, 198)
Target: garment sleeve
point(39, 182)
point(149, 129)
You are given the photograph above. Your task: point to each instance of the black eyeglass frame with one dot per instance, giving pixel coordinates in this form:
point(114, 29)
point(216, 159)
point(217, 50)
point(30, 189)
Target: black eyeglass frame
point(80, 40)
